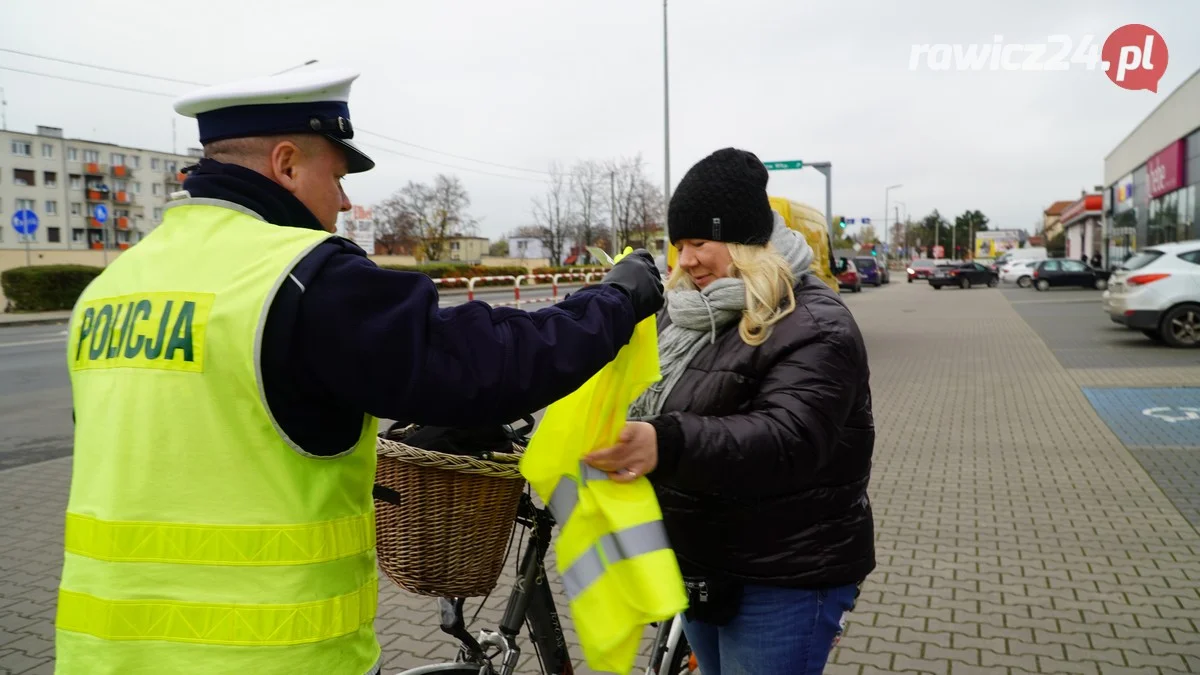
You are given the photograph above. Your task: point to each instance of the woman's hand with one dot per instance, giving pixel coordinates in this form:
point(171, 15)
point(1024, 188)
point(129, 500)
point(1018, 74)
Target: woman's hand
point(635, 454)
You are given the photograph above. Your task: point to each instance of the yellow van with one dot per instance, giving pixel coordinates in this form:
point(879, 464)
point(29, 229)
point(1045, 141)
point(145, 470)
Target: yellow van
point(806, 220)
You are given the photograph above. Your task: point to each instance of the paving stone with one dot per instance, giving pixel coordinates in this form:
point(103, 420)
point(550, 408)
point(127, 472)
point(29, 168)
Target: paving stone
point(904, 663)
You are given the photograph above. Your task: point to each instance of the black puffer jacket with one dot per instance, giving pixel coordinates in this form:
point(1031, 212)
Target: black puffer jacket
point(765, 452)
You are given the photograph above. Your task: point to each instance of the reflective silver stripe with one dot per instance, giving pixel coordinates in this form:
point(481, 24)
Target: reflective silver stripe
point(565, 496)
point(564, 499)
point(634, 541)
point(583, 573)
point(622, 545)
point(588, 472)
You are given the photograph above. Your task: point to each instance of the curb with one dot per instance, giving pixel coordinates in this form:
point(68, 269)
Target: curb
point(42, 321)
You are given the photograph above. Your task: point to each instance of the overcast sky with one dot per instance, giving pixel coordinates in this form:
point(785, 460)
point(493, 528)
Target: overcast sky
point(525, 82)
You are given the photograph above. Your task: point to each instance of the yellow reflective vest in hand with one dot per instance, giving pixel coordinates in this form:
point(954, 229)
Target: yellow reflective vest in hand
point(612, 552)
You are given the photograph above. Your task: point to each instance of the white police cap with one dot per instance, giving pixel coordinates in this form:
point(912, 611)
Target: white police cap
point(302, 101)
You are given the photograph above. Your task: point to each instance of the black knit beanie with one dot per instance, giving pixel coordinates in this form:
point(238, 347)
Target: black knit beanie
point(723, 198)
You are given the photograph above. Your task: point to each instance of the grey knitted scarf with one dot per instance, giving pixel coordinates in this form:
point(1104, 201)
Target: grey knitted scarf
point(698, 316)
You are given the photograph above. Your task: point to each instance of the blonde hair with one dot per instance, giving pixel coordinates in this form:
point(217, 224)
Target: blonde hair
point(769, 294)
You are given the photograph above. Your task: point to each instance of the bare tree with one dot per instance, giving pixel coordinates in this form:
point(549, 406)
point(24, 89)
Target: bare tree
point(589, 182)
point(649, 214)
point(626, 192)
point(439, 212)
point(554, 214)
point(395, 228)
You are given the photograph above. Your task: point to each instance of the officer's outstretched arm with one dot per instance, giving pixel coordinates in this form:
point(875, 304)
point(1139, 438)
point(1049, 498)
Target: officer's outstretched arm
point(378, 340)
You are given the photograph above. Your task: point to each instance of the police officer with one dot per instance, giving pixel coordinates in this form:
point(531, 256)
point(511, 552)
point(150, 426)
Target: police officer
point(228, 373)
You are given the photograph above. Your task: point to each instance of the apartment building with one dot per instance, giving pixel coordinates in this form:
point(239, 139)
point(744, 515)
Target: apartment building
point(86, 194)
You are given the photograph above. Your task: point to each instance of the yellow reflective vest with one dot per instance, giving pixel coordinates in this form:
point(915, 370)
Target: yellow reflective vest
point(612, 552)
point(199, 538)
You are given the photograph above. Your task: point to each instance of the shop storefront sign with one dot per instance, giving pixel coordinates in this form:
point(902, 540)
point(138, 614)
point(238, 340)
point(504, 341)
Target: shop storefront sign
point(1164, 171)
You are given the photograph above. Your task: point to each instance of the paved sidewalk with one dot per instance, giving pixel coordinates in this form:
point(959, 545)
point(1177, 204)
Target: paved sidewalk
point(1015, 532)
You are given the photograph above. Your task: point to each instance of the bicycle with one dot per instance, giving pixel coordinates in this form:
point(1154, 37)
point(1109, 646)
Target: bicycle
point(531, 602)
point(670, 653)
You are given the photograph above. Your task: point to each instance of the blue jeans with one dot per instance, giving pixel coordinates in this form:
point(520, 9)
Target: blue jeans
point(776, 630)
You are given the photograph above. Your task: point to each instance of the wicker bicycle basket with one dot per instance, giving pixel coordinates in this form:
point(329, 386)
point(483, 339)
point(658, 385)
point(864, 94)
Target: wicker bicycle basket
point(449, 536)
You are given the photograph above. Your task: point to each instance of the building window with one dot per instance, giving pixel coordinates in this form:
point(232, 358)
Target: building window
point(118, 159)
point(73, 154)
point(51, 207)
point(1171, 217)
point(50, 179)
point(134, 162)
point(170, 166)
point(154, 164)
point(122, 185)
point(157, 189)
point(47, 151)
point(22, 148)
point(137, 188)
point(158, 215)
point(53, 235)
point(76, 182)
point(24, 177)
point(77, 208)
point(91, 156)
point(23, 204)
point(77, 234)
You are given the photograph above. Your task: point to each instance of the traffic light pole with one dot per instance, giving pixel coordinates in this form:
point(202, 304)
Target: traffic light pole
point(827, 169)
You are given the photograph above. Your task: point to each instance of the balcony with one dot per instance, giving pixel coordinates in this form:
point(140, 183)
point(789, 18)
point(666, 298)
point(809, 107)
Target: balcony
point(95, 224)
point(123, 197)
point(121, 222)
point(122, 171)
point(95, 168)
point(97, 194)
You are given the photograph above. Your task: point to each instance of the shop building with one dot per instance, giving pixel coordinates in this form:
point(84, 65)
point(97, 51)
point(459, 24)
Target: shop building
point(1151, 178)
point(1083, 225)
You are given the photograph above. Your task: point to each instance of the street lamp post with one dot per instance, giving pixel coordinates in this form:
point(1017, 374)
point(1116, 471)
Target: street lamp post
point(886, 232)
point(666, 117)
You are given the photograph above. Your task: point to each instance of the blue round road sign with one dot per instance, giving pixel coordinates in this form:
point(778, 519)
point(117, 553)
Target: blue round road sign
point(100, 213)
point(25, 221)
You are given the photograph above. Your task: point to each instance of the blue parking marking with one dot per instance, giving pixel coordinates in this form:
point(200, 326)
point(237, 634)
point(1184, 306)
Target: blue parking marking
point(1166, 417)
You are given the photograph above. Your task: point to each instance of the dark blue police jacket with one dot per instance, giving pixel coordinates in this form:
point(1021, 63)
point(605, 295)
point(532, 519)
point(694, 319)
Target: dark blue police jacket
point(350, 337)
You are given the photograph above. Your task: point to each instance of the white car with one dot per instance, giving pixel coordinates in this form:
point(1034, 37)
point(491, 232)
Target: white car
point(1019, 272)
point(1157, 291)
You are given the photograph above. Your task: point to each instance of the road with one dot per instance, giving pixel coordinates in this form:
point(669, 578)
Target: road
point(35, 394)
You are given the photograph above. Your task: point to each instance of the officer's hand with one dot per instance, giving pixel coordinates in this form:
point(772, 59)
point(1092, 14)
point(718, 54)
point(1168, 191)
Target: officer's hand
point(637, 275)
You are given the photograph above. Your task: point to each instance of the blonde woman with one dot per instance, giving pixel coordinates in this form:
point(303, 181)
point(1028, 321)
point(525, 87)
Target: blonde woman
point(758, 438)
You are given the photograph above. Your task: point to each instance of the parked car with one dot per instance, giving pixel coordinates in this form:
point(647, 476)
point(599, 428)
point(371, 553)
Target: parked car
point(1019, 272)
point(1060, 272)
point(964, 275)
point(870, 270)
point(1034, 253)
point(1157, 291)
point(848, 276)
point(921, 269)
